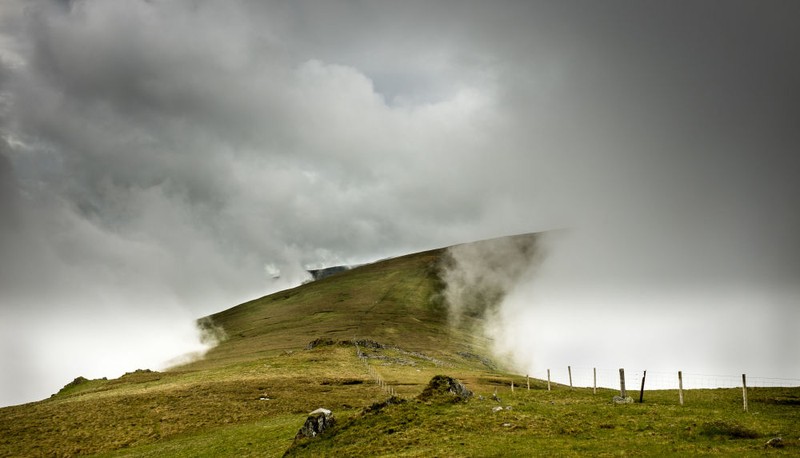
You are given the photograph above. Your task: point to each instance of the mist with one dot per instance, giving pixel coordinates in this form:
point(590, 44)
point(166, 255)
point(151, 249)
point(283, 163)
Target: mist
point(164, 160)
point(584, 311)
point(478, 275)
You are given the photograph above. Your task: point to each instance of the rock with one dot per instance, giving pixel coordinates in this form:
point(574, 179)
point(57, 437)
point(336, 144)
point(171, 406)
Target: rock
point(444, 388)
point(319, 274)
point(497, 409)
point(78, 381)
point(775, 442)
point(317, 423)
point(508, 407)
point(366, 343)
point(621, 400)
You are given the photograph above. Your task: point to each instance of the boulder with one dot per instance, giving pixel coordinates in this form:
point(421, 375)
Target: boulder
point(366, 343)
point(317, 423)
point(621, 400)
point(444, 388)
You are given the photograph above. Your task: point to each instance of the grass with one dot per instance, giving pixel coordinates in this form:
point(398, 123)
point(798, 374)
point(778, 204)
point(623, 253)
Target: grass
point(268, 437)
point(250, 394)
point(565, 422)
point(221, 413)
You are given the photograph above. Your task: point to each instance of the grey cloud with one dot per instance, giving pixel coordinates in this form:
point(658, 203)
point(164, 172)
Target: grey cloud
point(171, 153)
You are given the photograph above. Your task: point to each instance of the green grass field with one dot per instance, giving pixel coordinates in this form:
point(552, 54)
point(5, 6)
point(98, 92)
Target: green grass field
point(251, 393)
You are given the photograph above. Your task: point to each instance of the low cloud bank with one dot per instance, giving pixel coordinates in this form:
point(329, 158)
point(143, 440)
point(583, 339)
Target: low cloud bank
point(583, 301)
point(479, 275)
point(77, 346)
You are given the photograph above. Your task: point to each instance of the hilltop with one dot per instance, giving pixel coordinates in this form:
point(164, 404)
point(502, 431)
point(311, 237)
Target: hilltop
point(365, 343)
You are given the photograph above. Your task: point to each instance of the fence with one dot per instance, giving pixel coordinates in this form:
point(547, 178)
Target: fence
point(660, 380)
point(655, 380)
point(373, 373)
point(615, 378)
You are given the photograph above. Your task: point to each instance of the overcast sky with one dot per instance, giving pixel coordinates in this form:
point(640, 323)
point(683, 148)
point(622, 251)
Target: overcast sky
point(162, 160)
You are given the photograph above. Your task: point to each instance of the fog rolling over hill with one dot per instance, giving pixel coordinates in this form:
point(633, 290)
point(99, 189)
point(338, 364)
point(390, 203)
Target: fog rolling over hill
point(599, 299)
point(399, 301)
point(549, 300)
point(445, 299)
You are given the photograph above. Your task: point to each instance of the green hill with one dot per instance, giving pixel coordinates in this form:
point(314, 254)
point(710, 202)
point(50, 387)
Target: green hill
point(347, 343)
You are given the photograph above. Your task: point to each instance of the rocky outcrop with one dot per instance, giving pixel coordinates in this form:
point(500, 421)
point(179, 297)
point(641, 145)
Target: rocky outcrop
point(367, 343)
point(317, 423)
point(327, 341)
point(319, 274)
point(320, 342)
point(442, 388)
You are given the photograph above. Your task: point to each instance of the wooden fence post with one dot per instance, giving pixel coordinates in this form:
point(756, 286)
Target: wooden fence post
point(528, 382)
point(744, 391)
point(641, 392)
point(512, 386)
point(548, 379)
point(622, 392)
point(594, 385)
point(680, 387)
point(569, 370)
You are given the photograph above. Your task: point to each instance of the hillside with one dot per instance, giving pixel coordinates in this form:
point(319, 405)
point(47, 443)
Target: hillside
point(395, 302)
point(347, 343)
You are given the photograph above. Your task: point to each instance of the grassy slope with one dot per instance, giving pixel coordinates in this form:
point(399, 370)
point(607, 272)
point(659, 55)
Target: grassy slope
point(394, 302)
point(567, 422)
point(214, 407)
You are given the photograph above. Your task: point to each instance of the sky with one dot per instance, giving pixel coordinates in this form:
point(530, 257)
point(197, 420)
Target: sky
point(163, 160)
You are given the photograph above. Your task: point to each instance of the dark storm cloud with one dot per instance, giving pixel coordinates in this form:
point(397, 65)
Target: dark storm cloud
point(169, 157)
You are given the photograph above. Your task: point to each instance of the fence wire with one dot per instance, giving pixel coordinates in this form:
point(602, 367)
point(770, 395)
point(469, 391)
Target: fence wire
point(656, 380)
